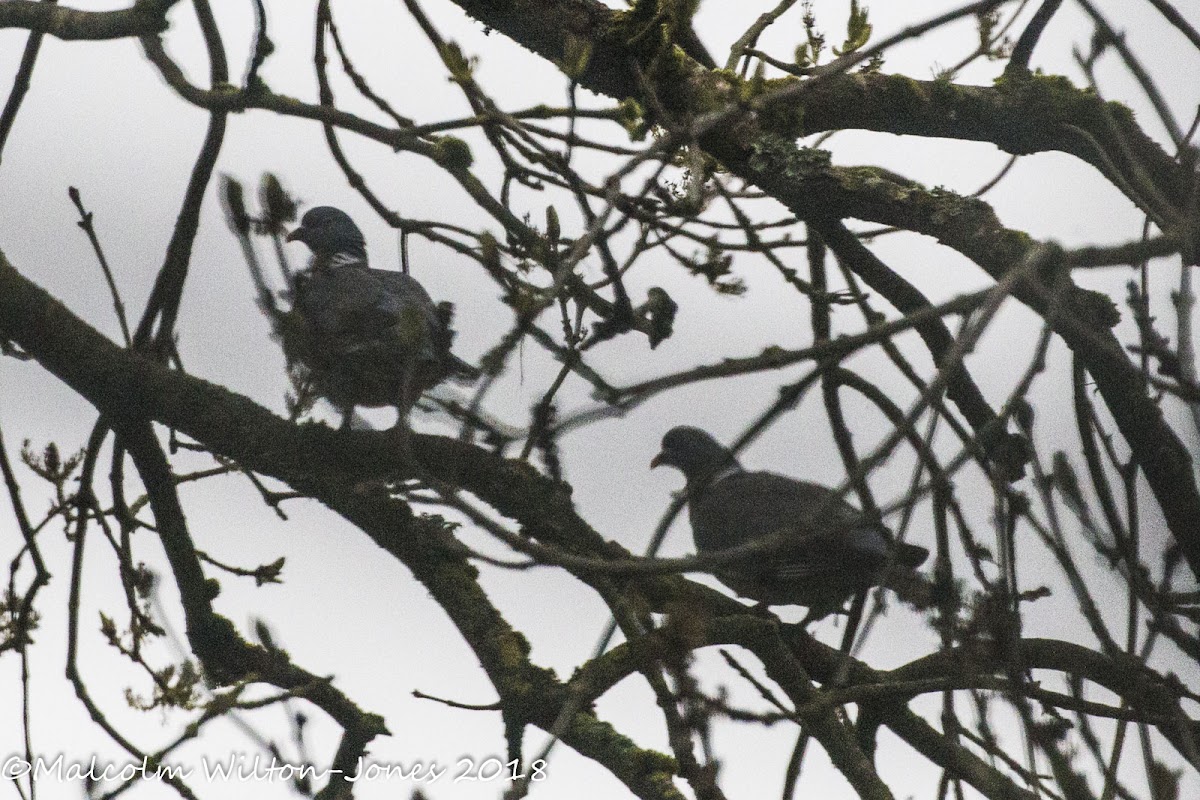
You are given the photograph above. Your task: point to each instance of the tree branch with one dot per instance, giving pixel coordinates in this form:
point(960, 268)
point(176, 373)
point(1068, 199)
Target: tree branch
point(143, 17)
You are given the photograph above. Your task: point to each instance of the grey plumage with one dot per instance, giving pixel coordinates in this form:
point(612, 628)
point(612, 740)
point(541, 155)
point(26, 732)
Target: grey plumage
point(365, 337)
point(828, 560)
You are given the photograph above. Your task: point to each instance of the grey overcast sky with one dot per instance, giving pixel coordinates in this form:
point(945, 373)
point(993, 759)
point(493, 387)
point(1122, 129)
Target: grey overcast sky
point(100, 118)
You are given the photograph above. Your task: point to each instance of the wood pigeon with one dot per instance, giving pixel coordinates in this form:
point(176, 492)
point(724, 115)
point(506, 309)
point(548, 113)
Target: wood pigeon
point(830, 559)
point(366, 337)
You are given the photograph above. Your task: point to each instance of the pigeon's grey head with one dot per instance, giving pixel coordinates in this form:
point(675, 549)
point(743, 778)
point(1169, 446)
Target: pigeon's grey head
point(694, 453)
point(329, 231)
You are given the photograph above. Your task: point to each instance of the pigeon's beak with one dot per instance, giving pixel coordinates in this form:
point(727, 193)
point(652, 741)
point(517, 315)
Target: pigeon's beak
point(658, 460)
point(298, 235)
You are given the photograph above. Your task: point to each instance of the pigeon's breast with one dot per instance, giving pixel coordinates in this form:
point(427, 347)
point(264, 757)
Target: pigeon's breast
point(830, 551)
point(361, 339)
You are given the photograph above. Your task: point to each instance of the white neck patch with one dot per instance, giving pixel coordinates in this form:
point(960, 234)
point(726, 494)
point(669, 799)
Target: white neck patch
point(345, 260)
point(724, 473)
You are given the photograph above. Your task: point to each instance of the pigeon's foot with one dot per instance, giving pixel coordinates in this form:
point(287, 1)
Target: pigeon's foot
point(400, 436)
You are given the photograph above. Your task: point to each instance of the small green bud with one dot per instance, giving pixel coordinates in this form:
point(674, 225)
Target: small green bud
point(235, 204)
point(453, 153)
point(489, 252)
point(278, 205)
point(632, 117)
point(459, 65)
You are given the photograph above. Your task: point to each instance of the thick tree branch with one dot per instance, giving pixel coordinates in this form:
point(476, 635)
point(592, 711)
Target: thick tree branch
point(734, 626)
point(1023, 115)
point(225, 655)
point(143, 17)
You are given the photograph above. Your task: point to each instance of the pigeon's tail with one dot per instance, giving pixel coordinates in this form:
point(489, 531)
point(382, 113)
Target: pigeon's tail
point(455, 368)
point(911, 555)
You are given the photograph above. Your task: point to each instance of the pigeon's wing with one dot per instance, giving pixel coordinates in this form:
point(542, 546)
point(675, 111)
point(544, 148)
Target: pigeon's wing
point(747, 505)
point(435, 317)
point(402, 294)
point(365, 304)
point(410, 314)
point(911, 555)
point(336, 302)
point(828, 558)
point(455, 367)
